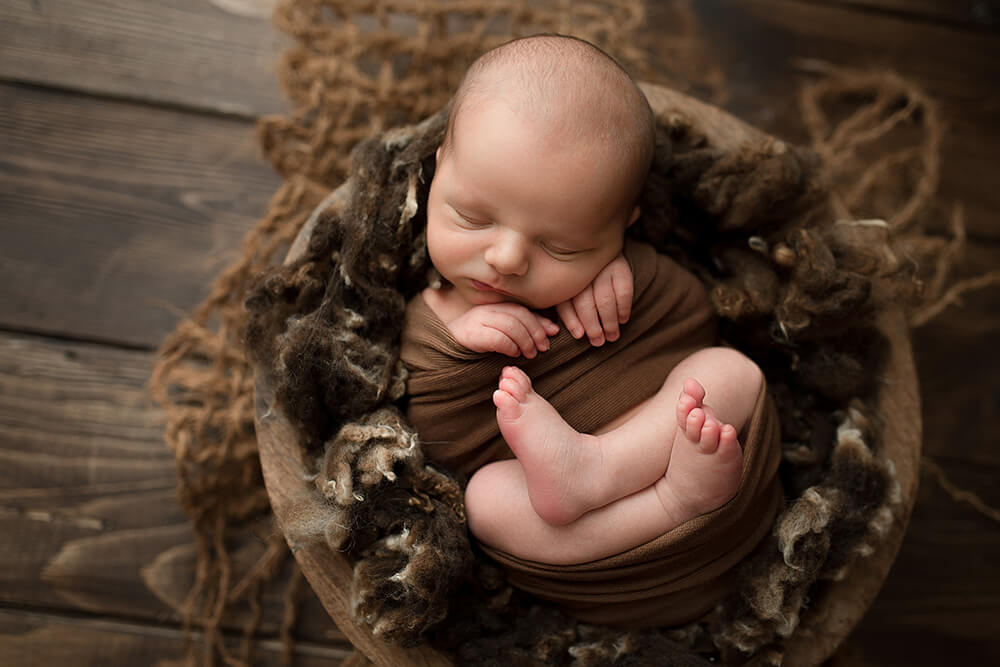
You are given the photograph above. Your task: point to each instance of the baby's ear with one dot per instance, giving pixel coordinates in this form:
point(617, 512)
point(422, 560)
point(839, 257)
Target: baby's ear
point(634, 217)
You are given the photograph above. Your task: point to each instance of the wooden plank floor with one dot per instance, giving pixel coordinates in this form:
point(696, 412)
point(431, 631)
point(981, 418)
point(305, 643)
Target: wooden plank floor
point(128, 176)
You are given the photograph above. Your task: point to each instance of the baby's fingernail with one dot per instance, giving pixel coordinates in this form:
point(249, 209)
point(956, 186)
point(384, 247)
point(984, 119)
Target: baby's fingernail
point(577, 333)
point(597, 341)
point(613, 336)
point(544, 346)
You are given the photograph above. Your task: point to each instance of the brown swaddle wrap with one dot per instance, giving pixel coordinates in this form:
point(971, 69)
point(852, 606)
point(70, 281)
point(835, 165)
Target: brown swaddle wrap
point(672, 579)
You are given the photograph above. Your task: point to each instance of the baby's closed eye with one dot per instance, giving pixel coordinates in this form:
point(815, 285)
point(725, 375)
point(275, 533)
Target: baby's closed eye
point(560, 251)
point(472, 223)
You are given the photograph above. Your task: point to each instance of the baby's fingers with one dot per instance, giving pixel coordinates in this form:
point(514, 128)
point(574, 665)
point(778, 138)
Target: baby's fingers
point(607, 305)
point(586, 310)
point(522, 328)
point(567, 313)
point(538, 328)
point(622, 284)
point(516, 332)
point(550, 327)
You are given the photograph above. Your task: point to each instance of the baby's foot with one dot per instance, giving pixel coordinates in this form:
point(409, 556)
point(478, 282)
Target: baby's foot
point(706, 461)
point(553, 455)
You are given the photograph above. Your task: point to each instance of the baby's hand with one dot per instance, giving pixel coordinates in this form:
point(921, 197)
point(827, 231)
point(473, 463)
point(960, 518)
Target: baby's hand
point(507, 328)
point(602, 305)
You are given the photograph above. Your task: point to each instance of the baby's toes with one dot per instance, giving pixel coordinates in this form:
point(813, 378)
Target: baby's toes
point(694, 389)
point(513, 389)
point(515, 382)
point(685, 404)
point(729, 444)
point(692, 426)
point(709, 436)
point(508, 407)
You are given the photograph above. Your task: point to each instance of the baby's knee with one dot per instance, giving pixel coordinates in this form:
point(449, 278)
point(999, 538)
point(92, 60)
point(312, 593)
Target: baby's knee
point(484, 496)
point(738, 369)
point(744, 370)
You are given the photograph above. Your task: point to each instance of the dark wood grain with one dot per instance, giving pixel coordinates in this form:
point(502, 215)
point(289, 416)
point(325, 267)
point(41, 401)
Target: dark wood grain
point(759, 42)
point(88, 509)
point(960, 370)
point(30, 639)
point(976, 13)
point(204, 54)
point(941, 601)
point(116, 217)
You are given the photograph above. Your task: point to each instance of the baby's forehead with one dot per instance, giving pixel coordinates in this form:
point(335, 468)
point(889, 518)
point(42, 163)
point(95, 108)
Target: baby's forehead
point(493, 147)
point(564, 131)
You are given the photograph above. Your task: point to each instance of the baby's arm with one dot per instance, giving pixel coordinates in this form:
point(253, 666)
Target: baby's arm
point(602, 305)
point(507, 328)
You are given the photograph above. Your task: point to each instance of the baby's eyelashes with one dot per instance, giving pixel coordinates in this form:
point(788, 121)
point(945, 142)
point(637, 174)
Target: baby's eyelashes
point(472, 224)
point(559, 252)
point(470, 220)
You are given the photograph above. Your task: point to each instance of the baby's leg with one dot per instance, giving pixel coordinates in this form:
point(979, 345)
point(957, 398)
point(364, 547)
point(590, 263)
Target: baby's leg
point(705, 463)
point(568, 473)
point(500, 515)
point(561, 466)
point(706, 460)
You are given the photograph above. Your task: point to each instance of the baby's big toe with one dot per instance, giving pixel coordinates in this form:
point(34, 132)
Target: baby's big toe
point(508, 407)
point(729, 444)
point(685, 404)
point(694, 389)
point(518, 377)
point(515, 382)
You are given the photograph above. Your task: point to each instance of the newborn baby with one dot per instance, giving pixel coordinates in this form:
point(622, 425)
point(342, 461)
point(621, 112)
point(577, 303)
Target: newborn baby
point(547, 149)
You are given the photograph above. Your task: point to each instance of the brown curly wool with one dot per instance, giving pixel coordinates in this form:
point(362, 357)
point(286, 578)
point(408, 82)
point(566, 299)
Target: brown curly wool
point(327, 328)
point(339, 309)
point(817, 536)
point(337, 368)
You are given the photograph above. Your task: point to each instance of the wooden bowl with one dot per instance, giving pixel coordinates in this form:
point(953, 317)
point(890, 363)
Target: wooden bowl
point(825, 624)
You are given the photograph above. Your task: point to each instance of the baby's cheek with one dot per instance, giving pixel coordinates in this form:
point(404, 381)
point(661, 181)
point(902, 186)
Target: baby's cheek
point(445, 251)
point(436, 245)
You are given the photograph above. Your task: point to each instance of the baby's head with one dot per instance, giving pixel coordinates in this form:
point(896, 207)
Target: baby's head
point(546, 152)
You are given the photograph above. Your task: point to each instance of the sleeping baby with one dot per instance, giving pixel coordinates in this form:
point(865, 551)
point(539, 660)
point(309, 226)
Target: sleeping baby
point(573, 373)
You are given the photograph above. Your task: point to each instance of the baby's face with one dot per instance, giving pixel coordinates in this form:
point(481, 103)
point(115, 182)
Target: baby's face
point(519, 213)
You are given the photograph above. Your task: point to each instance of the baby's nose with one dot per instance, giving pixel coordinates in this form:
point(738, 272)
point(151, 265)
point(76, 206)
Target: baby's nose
point(508, 256)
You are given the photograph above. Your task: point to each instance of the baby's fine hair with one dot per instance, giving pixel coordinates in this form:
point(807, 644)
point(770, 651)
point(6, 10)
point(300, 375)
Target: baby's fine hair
point(547, 73)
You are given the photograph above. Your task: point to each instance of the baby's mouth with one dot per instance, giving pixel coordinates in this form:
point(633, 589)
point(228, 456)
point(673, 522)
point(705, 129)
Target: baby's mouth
point(484, 287)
